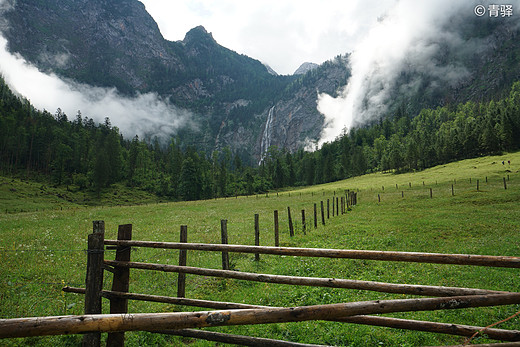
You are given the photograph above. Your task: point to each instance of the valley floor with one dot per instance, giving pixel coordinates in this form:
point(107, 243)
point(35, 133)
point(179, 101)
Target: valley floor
point(42, 251)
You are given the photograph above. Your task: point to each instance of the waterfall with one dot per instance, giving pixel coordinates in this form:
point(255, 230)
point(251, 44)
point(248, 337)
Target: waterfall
point(266, 137)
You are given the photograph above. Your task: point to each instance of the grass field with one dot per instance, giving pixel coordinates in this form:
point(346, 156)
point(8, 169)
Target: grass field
point(41, 251)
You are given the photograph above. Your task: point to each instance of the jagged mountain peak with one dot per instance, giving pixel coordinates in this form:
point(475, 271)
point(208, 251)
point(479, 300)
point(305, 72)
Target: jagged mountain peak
point(198, 34)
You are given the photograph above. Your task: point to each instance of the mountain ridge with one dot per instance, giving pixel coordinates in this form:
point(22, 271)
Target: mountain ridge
point(118, 44)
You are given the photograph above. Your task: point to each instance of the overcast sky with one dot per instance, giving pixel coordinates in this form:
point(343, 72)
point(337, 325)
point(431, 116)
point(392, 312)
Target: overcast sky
point(281, 33)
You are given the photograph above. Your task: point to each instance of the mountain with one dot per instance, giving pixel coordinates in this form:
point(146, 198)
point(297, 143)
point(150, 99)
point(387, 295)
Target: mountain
point(304, 68)
point(237, 101)
point(116, 43)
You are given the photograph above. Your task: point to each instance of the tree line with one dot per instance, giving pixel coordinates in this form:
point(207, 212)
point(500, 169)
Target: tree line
point(50, 147)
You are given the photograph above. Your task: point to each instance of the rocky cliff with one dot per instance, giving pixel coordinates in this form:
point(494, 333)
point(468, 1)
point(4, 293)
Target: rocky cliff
point(236, 100)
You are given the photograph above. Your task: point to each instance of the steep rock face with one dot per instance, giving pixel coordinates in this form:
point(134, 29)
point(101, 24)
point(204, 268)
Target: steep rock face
point(233, 97)
point(103, 42)
point(116, 43)
point(296, 121)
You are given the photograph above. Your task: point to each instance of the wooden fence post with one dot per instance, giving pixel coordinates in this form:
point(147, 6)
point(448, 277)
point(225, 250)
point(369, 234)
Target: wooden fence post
point(328, 209)
point(337, 206)
point(304, 228)
point(257, 235)
point(379, 197)
point(505, 185)
point(431, 193)
point(452, 191)
point(120, 283)
point(94, 278)
point(333, 207)
point(276, 230)
point(183, 255)
point(315, 217)
point(291, 228)
point(224, 240)
point(322, 213)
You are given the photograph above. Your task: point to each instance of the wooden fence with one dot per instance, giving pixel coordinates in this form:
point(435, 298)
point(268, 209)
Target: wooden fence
point(93, 323)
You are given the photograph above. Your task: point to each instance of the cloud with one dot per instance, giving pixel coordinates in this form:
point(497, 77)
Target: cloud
point(147, 115)
point(406, 41)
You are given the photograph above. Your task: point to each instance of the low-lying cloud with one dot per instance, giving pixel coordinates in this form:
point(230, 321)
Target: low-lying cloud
point(406, 40)
point(146, 115)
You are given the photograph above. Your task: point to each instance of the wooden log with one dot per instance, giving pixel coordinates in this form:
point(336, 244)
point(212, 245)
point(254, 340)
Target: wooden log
point(310, 281)
point(60, 325)
point(315, 217)
point(224, 240)
point(233, 339)
point(434, 327)
point(323, 212)
point(414, 257)
point(120, 283)
point(276, 229)
point(94, 278)
point(291, 228)
point(168, 299)
point(304, 226)
point(443, 328)
point(181, 279)
point(257, 236)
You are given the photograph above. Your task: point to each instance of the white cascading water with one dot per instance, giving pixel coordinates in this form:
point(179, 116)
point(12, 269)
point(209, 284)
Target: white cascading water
point(266, 137)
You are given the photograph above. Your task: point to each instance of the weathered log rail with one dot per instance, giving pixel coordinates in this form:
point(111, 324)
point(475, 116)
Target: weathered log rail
point(442, 328)
point(308, 281)
point(414, 257)
point(60, 325)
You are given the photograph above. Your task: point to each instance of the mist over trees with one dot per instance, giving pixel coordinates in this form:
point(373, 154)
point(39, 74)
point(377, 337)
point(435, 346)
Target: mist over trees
point(87, 156)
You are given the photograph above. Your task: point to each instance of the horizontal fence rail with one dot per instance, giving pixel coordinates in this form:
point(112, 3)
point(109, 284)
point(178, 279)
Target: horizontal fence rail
point(62, 325)
point(443, 328)
point(414, 257)
point(309, 281)
point(218, 305)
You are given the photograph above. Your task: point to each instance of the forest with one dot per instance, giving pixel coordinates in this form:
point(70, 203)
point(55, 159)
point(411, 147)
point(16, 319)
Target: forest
point(84, 155)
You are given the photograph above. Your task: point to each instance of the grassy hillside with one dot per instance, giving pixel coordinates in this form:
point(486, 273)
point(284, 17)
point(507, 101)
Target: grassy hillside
point(19, 195)
point(43, 250)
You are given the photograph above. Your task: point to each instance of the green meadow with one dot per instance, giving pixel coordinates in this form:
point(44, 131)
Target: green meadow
point(43, 248)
